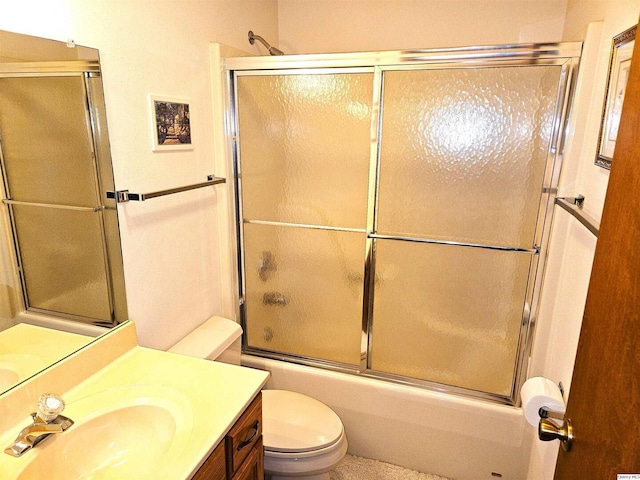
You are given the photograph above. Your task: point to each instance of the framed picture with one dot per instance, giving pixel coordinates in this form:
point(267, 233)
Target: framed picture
point(171, 123)
point(619, 65)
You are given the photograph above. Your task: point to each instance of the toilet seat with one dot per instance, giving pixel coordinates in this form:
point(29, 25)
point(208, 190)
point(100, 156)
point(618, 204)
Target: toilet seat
point(337, 446)
point(297, 424)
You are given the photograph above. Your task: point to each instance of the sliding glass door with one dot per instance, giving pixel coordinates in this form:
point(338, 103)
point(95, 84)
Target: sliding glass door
point(392, 218)
point(49, 166)
point(305, 139)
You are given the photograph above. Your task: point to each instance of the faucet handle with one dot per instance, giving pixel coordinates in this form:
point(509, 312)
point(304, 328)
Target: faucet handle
point(49, 407)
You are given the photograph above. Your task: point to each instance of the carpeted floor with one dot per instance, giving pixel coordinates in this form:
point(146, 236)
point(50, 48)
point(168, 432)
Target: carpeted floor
point(358, 468)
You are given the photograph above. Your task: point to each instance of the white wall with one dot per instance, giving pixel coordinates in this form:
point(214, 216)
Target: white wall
point(170, 244)
point(572, 246)
point(316, 26)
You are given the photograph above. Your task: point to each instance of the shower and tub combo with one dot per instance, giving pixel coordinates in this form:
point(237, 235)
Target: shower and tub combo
point(393, 213)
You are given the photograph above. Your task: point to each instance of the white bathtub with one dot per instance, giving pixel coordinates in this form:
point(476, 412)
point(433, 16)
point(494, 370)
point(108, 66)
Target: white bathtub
point(463, 439)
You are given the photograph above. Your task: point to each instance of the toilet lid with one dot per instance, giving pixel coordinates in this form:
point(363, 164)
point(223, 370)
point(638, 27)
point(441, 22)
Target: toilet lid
point(293, 422)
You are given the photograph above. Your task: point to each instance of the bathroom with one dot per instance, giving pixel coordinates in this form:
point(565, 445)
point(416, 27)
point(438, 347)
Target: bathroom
point(176, 280)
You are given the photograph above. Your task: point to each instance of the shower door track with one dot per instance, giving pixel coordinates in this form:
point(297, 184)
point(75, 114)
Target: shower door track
point(565, 55)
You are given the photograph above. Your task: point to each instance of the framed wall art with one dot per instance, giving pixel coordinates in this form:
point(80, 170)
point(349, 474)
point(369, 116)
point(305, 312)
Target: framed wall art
point(619, 65)
point(171, 123)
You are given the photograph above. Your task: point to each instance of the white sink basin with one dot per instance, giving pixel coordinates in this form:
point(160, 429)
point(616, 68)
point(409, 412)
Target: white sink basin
point(124, 432)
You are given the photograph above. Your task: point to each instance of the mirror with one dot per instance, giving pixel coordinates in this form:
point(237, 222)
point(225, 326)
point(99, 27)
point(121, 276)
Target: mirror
point(60, 254)
point(619, 66)
point(28, 349)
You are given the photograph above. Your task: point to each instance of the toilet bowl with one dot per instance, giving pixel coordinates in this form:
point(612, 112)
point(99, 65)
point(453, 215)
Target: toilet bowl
point(303, 438)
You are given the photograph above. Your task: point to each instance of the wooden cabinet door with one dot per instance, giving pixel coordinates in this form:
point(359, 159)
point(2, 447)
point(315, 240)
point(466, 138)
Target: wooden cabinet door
point(240, 456)
point(253, 466)
point(244, 435)
point(215, 467)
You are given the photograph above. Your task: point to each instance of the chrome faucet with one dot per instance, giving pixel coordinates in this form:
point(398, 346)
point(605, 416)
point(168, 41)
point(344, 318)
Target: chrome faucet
point(45, 422)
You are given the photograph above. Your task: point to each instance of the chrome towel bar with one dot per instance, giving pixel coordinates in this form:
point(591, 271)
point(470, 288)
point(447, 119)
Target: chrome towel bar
point(8, 201)
point(573, 205)
point(123, 196)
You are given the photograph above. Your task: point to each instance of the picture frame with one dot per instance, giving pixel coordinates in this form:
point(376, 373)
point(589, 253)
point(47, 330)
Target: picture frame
point(170, 123)
point(619, 65)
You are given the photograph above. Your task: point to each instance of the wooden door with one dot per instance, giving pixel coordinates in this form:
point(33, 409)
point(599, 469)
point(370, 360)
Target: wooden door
point(604, 402)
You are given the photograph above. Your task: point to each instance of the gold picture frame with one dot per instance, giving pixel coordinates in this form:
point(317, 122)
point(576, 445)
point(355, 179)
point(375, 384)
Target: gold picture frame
point(619, 65)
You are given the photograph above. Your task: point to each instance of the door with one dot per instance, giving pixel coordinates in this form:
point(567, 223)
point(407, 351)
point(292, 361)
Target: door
point(604, 404)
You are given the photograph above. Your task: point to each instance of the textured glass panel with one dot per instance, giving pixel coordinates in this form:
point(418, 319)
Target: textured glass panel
point(304, 291)
point(45, 140)
point(463, 152)
point(448, 314)
point(304, 148)
point(63, 260)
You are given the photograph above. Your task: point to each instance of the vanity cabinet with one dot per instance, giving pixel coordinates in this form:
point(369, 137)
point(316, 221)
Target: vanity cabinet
point(240, 455)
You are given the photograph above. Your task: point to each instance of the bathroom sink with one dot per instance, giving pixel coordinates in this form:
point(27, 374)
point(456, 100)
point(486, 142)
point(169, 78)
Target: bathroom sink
point(137, 412)
point(124, 432)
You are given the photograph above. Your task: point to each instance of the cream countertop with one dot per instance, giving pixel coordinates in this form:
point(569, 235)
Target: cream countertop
point(27, 349)
point(206, 398)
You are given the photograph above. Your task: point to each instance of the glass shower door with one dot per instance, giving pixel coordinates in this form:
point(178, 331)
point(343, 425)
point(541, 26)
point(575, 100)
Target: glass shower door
point(463, 157)
point(304, 151)
point(50, 176)
point(393, 215)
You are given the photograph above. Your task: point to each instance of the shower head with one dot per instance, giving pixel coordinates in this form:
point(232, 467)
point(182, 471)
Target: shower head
point(272, 50)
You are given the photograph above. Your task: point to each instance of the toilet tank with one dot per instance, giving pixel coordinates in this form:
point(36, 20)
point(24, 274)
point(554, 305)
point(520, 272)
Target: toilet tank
point(218, 338)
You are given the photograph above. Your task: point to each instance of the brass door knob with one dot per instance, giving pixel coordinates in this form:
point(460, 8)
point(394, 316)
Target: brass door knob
point(548, 430)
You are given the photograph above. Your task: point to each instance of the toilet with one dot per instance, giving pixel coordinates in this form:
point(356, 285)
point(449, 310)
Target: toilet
point(303, 438)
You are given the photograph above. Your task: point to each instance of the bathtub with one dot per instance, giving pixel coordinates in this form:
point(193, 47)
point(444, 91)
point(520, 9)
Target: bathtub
point(432, 432)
